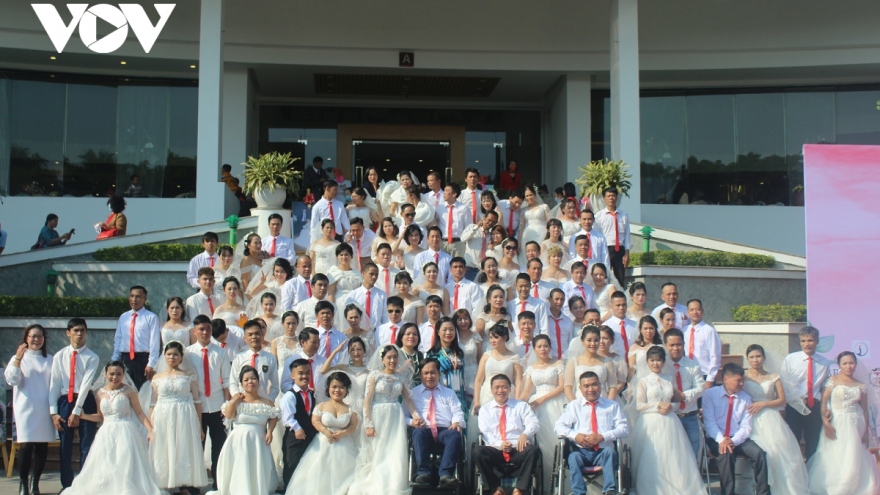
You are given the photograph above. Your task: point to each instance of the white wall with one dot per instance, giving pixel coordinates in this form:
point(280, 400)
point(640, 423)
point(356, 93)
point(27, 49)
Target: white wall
point(568, 115)
point(778, 228)
point(23, 217)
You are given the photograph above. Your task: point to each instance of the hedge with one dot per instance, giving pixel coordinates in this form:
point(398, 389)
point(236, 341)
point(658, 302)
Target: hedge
point(50, 307)
point(700, 258)
point(776, 313)
point(150, 252)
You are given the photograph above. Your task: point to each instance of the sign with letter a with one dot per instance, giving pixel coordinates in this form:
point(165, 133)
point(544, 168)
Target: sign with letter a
point(407, 59)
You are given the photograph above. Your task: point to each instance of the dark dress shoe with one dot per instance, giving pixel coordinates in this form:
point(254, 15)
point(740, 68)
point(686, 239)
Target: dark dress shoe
point(35, 486)
point(422, 480)
point(23, 488)
point(448, 482)
point(611, 492)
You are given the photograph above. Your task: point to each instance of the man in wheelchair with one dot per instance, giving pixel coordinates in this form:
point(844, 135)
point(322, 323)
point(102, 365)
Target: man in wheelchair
point(593, 424)
point(443, 417)
point(506, 426)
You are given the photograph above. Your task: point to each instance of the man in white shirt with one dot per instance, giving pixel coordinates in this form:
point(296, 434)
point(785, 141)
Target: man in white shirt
point(625, 330)
point(361, 241)
point(428, 329)
point(615, 227)
point(276, 245)
point(387, 273)
point(309, 343)
point(328, 335)
point(540, 288)
point(434, 196)
point(686, 378)
point(371, 299)
point(463, 294)
point(227, 340)
point(804, 374)
point(67, 403)
point(508, 427)
point(453, 217)
point(138, 338)
point(297, 405)
point(669, 295)
point(207, 258)
point(581, 254)
point(433, 253)
point(387, 333)
point(213, 387)
point(440, 419)
point(728, 427)
point(306, 309)
point(264, 362)
point(577, 287)
point(204, 301)
point(299, 288)
point(523, 343)
point(560, 328)
point(476, 238)
point(525, 302)
point(510, 211)
point(470, 196)
point(597, 245)
point(592, 446)
point(701, 342)
point(329, 207)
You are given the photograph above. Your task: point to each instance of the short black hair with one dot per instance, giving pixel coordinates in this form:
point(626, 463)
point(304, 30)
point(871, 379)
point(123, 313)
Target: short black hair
point(319, 277)
point(210, 236)
point(322, 305)
point(732, 369)
point(296, 363)
point(218, 327)
point(274, 216)
point(456, 189)
point(673, 332)
point(75, 322)
point(306, 333)
point(200, 319)
point(317, 159)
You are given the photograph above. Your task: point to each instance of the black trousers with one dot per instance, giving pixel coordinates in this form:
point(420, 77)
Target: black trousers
point(808, 427)
point(87, 430)
point(727, 462)
point(293, 452)
point(523, 464)
point(615, 258)
point(212, 425)
point(32, 450)
point(136, 367)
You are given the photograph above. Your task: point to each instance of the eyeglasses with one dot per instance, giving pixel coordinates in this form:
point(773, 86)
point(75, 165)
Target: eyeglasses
point(395, 311)
point(510, 248)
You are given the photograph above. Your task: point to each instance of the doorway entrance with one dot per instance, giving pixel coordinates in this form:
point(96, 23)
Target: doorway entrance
point(391, 157)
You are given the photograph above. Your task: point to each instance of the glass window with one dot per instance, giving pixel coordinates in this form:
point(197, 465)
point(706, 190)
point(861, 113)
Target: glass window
point(143, 137)
point(36, 134)
point(4, 135)
point(809, 119)
point(663, 148)
point(856, 117)
point(486, 152)
point(180, 170)
point(90, 147)
point(761, 170)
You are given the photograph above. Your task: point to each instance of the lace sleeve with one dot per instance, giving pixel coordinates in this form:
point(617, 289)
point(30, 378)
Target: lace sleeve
point(155, 395)
point(368, 400)
point(194, 388)
point(642, 404)
point(611, 378)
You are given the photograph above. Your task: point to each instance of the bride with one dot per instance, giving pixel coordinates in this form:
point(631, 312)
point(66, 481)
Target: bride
point(247, 258)
point(378, 468)
point(536, 216)
point(232, 311)
point(323, 251)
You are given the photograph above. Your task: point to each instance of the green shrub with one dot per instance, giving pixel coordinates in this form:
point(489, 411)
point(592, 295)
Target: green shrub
point(700, 258)
point(770, 313)
point(150, 252)
point(50, 307)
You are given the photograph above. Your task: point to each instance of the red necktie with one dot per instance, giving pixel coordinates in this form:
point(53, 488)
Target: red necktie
point(616, 232)
point(207, 372)
point(583, 294)
point(211, 260)
point(558, 338)
point(432, 415)
point(535, 290)
point(502, 431)
point(387, 289)
point(359, 254)
point(436, 199)
point(510, 224)
point(254, 360)
point(306, 401)
point(311, 375)
point(594, 421)
point(625, 339)
point(449, 226)
point(678, 382)
point(811, 401)
point(455, 298)
point(691, 342)
point(211, 305)
point(368, 308)
point(131, 337)
point(394, 335)
point(528, 345)
point(309, 288)
point(589, 247)
point(730, 399)
point(483, 248)
point(474, 206)
point(223, 345)
point(332, 216)
point(72, 384)
point(437, 259)
point(522, 306)
point(327, 345)
point(433, 334)
point(274, 241)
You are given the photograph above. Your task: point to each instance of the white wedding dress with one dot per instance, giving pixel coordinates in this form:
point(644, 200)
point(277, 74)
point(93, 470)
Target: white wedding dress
point(606, 373)
point(535, 228)
point(325, 257)
point(785, 466)
point(245, 466)
point(176, 449)
point(346, 281)
point(844, 466)
point(382, 459)
point(118, 460)
point(181, 336)
point(411, 311)
point(325, 467)
point(545, 381)
point(662, 458)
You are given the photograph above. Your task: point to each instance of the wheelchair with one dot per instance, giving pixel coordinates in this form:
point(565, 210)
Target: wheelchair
point(435, 455)
point(593, 474)
point(507, 480)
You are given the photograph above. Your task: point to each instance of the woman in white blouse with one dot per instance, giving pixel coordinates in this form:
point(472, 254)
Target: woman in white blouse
point(29, 373)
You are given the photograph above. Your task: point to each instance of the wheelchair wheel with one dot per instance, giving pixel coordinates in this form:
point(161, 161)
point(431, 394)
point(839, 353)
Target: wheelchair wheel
point(625, 469)
point(557, 472)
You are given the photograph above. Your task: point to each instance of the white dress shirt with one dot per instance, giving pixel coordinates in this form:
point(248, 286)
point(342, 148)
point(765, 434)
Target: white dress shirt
point(426, 331)
point(468, 198)
point(632, 333)
point(283, 247)
point(388, 332)
point(537, 306)
point(86, 371)
point(681, 315)
point(707, 348)
point(147, 335)
point(511, 225)
point(542, 288)
point(321, 210)
point(794, 370)
point(519, 419)
point(200, 260)
point(715, 406)
point(233, 346)
point(378, 311)
point(218, 373)
point(577, 418)
point(692, 382)
point(469, 296)
point(197, 304)
point(293, 292)
point(447, 407)
point(598, 247)
point(306, 311)
point(433, 199)
point(442, 259)
point(317, 362)
point(365, 248)
point(461, 218)
point(385, 282)
point(475, 243)
point(331, 339)
point(267, 368)
point(288, 407)
point(605, 220)
point(559, 342)
point(572, 289)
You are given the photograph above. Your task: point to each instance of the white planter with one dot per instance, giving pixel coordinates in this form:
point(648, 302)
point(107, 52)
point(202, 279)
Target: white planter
point(265, 198)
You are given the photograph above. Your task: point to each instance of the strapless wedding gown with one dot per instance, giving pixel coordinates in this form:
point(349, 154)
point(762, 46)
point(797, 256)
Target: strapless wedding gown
point(325, 468)
point(245, 466)
point(545, 381)
point(535, 229)
point(325, 257)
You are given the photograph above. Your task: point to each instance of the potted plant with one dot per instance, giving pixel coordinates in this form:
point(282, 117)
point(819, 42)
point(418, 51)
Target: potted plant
point(269, 177)
point(598, 175)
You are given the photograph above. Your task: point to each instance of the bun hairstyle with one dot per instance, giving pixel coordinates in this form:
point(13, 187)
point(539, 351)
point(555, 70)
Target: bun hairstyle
point(845, 354)
point(173, 345)
point(385, 350)
point(245, 370)
point(114, 364)
point(356, 340)
point(754, 347)
point(342, 378)
point(656, 351)
point(589, 329)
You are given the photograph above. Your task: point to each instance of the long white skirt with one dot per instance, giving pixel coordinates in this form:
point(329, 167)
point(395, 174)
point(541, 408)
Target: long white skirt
point(786, 471)
point(843, 466)
point(382, 461)
point(662, 457)
point(176, 450)
point(325, 468)
point(245, 466)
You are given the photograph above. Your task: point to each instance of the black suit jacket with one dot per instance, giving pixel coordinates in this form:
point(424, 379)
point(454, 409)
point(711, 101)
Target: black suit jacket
point(314, 181)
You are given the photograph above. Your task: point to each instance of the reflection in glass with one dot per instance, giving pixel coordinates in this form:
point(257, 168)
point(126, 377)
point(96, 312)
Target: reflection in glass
point(4, 135)
point(486, 152)
point(90, 147)
point(36, 135)
point(143, 136)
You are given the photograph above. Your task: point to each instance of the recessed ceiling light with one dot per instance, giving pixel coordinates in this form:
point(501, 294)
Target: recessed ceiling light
point(420, 161)
point(53, 57)
point(388, 159)
point(122, 62)
point(476, 161)
point(192, 66)
point(384, 169)
point(329, 159)
point(52, 75)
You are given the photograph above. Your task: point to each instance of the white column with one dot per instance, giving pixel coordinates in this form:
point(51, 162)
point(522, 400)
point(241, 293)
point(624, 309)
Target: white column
point(625, 125)
point(569, 129)
point(209, 190)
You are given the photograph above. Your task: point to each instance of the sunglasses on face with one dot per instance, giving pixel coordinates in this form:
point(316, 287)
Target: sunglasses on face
point(510, 248)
